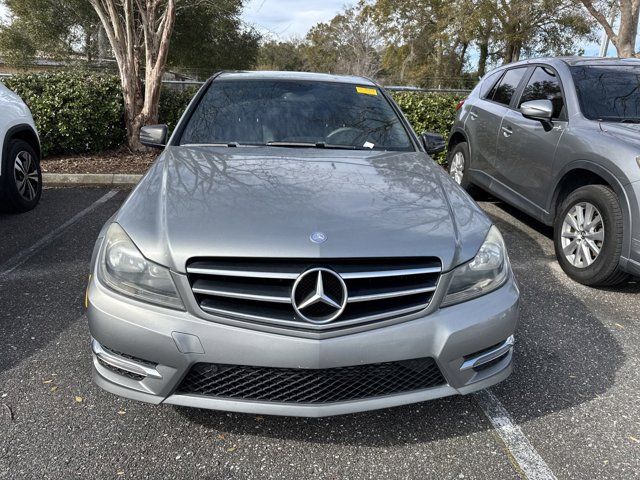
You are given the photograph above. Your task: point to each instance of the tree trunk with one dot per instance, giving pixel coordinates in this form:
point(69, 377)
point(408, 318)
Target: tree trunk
point(512, 52)
point(463, 54)
point(484, 56)
point(406, 61)
point(123, 24)
point(625, 42)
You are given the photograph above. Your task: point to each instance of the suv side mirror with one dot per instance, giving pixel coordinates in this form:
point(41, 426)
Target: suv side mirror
point(433, 142)
point(537, 110)
point(154, 136)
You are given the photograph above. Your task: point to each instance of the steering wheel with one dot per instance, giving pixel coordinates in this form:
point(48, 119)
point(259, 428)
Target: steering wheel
point(351, 134)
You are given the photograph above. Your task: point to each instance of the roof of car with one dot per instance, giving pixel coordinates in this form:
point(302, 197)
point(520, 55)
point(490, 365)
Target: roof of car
point(303, 76)
point(572, 61)
point(575, 60)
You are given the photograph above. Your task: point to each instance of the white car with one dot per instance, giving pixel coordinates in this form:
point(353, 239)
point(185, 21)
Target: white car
point(20, 175)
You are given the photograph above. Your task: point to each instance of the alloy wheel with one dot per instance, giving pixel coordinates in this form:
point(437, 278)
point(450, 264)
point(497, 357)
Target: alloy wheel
point(582, 235)
point(25, 171)
point(456, 169)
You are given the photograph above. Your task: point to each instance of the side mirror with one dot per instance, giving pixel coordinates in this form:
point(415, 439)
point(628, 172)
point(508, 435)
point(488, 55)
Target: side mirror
point(154, 136)
point(433, 142)
point(537, 110)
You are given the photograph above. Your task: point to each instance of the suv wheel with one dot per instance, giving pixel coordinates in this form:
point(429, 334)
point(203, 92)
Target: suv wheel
point(459, 166)
point(21, 181)
point(588, 236)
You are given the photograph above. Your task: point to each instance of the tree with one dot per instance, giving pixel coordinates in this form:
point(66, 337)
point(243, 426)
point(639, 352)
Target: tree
point(139, 32)
point(277, 55)
point(209, 36)
point(625, 39)
point(348, 44)
point(61, 29)
point(539, 27)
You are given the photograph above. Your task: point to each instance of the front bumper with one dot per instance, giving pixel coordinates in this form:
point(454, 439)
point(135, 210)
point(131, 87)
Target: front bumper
point(632, 264)
point(171, 342)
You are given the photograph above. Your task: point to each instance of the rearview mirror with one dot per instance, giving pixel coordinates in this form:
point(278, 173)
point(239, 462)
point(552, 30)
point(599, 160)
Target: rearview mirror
point(433, 142)
point(537, 110)
point(154, 136)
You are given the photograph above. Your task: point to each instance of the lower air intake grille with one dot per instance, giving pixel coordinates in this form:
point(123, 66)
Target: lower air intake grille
point(291, 385)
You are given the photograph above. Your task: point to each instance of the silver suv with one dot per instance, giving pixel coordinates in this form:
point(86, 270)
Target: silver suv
point(559, 138)
point(20, 174)
point(295, 251)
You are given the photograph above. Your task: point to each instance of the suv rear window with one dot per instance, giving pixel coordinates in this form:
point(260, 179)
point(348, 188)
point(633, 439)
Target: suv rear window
point(608, 92)
point(544, 85)
point(504, 90)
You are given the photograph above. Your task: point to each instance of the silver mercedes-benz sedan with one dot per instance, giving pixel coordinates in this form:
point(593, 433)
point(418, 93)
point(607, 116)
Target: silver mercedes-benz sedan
point(295, 251)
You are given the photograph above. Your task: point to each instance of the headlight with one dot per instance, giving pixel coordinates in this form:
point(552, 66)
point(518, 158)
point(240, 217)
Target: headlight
point(487, 271)
point(122, 268)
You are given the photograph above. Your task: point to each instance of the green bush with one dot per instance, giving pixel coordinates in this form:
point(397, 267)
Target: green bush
point(74, 111)
point(173, 103)
point(429, 112)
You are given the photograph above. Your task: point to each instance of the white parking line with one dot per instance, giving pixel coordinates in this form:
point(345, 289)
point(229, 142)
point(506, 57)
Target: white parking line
point(21, 257)
point(523, 453)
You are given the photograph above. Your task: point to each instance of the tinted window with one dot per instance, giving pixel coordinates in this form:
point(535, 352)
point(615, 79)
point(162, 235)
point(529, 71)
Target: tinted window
point(544, 85)
point(608, 92)
point(257, 112)
point(488, 83)
point(507, 86)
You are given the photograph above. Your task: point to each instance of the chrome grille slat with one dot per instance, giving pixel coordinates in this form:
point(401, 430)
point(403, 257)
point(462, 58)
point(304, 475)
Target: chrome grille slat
point(259, 290)
point(243, 273)
point(396, 293)
point(388, 273)
point(326, 326)
point(215, 289)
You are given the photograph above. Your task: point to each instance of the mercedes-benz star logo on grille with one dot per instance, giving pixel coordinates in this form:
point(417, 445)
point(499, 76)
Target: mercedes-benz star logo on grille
point(318, 237)
point(319, 295)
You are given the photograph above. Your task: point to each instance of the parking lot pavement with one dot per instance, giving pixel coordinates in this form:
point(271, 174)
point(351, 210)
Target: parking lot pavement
point(573, 395)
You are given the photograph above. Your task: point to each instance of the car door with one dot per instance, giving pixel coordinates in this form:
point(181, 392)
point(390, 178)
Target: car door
point(485, 119)
point(526, 147)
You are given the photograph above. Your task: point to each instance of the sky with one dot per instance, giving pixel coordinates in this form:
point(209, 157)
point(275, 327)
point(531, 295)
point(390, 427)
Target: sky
point(286, 19)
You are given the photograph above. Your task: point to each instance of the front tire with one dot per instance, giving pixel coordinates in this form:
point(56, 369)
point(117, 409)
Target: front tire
point(21, 181)
point(588, 236)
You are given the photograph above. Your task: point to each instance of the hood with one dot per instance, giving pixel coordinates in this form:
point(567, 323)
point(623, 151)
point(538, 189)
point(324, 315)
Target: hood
point(629, 132)
point(267, 201)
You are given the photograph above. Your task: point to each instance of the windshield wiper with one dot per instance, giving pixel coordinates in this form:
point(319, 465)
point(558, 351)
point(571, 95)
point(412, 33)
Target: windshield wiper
point(225, 144)
point(292, 144)
point(314, 145)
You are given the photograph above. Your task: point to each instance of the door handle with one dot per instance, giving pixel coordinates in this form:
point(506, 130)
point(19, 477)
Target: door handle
point(507, 131)
point(473, 115)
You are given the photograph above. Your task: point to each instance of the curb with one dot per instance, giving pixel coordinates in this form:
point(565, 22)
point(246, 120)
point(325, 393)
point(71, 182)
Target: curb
point(122, 179)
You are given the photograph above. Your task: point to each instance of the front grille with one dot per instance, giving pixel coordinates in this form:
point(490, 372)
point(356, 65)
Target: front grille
point(310, 386)
point(260, 290)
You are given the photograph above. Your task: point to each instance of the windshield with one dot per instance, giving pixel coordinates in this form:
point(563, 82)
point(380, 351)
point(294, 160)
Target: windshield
point(295, 114)
point(608, 93)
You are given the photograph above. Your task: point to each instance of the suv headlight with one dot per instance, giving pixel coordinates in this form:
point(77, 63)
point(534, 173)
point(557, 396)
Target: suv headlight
point(487, 271)
point(122, 268)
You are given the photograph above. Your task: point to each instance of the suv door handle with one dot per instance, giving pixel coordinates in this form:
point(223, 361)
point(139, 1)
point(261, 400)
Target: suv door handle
point(507, 131)
point(473, 115)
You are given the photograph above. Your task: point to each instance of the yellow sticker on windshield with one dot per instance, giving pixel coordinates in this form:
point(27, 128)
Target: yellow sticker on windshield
point(367, 91)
